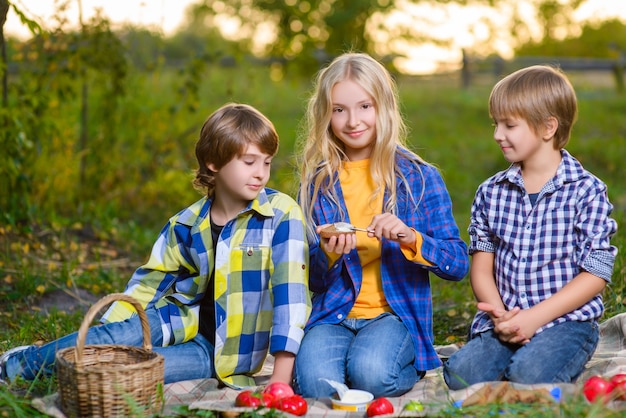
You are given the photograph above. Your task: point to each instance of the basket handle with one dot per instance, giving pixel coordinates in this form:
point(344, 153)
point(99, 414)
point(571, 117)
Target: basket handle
point(93, 311)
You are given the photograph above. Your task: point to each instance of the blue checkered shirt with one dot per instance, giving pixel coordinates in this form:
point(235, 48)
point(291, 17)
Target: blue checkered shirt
point(539, 249)
point(405, 284)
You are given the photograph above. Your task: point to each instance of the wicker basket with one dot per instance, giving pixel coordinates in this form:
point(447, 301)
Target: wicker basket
point(110, 380)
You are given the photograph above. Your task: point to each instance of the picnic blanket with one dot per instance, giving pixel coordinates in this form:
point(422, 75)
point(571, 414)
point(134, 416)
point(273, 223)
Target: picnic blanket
point(608, 359)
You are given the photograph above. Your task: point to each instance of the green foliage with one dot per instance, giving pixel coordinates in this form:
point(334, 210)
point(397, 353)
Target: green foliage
point(13, 406)
point(33, 26)
point(14, 137)
point(56, 70)
point(606, 39)
point(17, 154)
point(306, 32)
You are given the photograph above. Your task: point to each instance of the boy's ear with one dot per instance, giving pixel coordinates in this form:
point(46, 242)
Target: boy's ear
point(550, 127)
point(212, 167)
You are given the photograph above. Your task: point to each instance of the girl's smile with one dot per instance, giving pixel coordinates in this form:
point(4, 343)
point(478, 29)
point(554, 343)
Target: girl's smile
point(356, 134)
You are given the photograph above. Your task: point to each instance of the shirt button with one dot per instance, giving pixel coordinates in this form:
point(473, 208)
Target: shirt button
point(339, 316)
point(336, 265)
point(447, 268)
point(522, 295)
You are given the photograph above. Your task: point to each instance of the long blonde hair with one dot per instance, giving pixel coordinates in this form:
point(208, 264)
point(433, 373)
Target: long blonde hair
point(322, 152)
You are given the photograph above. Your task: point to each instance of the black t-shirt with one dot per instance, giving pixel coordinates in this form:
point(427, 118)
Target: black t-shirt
point(207, 304)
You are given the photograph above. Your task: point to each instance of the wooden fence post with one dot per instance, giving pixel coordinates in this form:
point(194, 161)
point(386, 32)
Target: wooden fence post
point(465, 70)
point(618, 72)
point(617, 67)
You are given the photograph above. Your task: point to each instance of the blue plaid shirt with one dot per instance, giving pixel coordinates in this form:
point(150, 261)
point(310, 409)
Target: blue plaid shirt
point(539, 249)
point(406, 284)
point(261, 296)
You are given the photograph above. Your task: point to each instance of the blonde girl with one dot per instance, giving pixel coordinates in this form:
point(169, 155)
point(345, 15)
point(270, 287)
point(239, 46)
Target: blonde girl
point(371, 323)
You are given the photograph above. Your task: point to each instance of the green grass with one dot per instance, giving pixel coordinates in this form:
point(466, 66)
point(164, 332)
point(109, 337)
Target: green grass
point(94, 244)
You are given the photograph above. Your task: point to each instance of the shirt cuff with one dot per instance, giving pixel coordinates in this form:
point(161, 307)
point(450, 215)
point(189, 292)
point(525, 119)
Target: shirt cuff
point(414, 252)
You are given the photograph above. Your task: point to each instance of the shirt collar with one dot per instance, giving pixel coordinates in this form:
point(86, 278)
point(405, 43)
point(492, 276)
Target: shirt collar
point(569, 170)
point(198, 213)
point(261, 205)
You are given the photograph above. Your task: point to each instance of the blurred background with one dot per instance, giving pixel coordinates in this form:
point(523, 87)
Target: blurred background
point(421, 36)
point(101, 100)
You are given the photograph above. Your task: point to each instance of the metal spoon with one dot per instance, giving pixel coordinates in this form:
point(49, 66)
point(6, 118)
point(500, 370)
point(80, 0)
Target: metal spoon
point(349, 226)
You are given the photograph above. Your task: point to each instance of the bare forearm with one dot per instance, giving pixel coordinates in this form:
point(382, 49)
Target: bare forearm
point(483, 280)
point(283, 367)
point(484, 291)
point(571, 296)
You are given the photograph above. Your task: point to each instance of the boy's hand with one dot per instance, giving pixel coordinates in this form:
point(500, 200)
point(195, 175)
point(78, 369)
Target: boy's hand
point(508, 324)
point(338, 244)
point(526, 325)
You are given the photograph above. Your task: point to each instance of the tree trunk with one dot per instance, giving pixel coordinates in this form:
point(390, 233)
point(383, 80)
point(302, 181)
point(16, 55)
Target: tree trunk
point(4, 9)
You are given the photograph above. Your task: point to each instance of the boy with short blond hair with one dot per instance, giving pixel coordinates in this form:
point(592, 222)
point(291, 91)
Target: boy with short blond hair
point(540, 243)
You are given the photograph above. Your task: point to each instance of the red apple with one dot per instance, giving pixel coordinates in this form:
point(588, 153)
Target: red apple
point(278, 390)
point(619, 386)
point(597, 387)
point(379, 406)
point(254, 399)
point(294, 404)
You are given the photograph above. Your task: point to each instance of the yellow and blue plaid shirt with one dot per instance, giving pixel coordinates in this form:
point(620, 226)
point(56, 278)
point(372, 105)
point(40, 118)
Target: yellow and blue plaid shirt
point(261, 282)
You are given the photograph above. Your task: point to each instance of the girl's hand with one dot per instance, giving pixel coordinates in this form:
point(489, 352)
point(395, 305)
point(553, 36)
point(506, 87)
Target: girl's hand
point(389, 226)
point(339, 244)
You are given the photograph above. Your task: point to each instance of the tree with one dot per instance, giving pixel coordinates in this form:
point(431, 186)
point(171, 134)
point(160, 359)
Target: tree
point(15, 139)
point(308, 33)
point(604, 40)
point(296, 31)
point(4, 10)
point(45, 74)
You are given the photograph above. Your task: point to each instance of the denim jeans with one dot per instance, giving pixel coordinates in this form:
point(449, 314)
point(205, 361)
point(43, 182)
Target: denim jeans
point(557, 354)
point(375, 355)
point(190, 360)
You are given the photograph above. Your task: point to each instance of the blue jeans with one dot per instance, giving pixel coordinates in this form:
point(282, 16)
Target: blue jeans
point(557, 354)
point(189, 360)
point(375, 355)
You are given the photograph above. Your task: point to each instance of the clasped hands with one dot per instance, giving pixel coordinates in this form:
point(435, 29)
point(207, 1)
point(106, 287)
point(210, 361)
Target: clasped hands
point(514, 326)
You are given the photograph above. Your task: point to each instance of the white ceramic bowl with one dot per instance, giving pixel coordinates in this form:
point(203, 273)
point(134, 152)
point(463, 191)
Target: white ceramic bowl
point(353, 400)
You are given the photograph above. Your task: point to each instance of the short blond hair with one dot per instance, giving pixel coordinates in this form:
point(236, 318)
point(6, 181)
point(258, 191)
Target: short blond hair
point(535, 94)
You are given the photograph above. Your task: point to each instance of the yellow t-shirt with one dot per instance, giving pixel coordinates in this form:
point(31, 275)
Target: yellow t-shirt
point(358, 187)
